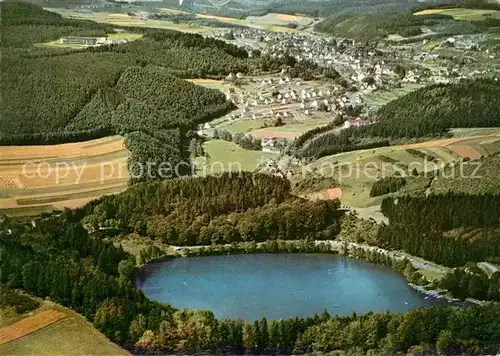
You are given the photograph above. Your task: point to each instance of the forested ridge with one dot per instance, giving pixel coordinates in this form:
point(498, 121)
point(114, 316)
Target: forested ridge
point(432, 110)
point(54, 257)
point(378, 25)
point(231, 208)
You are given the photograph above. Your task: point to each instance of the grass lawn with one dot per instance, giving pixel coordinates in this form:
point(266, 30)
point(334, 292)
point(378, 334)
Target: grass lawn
point(466, 132)
point(67, 337)
point(379, 98)
point(241, 125)
point(227, 156)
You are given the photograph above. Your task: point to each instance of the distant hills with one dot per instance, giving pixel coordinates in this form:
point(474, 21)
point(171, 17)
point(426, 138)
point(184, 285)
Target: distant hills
point(240, 8)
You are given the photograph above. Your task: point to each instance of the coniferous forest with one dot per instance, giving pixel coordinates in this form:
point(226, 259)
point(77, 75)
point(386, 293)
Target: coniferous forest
point(423, 226)
point(231, 208)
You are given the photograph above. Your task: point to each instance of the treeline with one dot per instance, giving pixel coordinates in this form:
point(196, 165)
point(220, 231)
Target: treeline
point(302, 139)
point(331, 143)
point(420, 154)
point(231, 208)
point(11, 299)
point(245, 141)
point(161, 156)
point(52, 138)
point(181, 56)
point(150, 99)
point(213, 196)
point(55, 257)
point(418, 226)
point(467, 4)
point(471, 281)
point(387, 185)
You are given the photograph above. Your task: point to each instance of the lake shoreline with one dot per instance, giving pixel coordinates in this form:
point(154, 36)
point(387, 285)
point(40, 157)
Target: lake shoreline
point(330, 247)
point(279, 285)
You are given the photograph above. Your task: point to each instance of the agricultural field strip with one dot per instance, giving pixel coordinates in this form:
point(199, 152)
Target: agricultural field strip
point(52, 198)
point(462, 13)
point(39, 191)
point(13, 163)
point(30, 324)
point(89, 157)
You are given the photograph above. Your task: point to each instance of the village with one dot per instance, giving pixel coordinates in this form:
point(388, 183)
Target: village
point(366, 70)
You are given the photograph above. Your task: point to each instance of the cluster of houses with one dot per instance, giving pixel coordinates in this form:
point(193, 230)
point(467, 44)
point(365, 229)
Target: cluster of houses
point(366, 67)
point(287, 99)
point(273, 144)
point(90, 41)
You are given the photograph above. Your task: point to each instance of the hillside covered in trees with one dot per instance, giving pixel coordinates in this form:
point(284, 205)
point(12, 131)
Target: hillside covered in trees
point(227, 209)
point(433, 110)
point(57, 95)
point(378, 25)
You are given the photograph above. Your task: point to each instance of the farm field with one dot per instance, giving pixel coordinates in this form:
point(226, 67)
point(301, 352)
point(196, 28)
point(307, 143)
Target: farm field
point(34, 179)
point(462, 13)
point(289, 131)
point(53, 330)
point(379, 98)
point(292, 130)
point(357, 171)
point(280, 19)
point(269, 23)
point(173, 11)
point(227, 156)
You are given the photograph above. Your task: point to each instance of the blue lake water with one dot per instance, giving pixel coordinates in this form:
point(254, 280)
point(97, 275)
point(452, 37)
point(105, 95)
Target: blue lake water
point(279, 285)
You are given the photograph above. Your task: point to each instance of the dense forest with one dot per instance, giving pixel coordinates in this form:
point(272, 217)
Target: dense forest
point(434, 109)
point(387, 185)
point(226, 209)
point(54, 257)
point(418, 226)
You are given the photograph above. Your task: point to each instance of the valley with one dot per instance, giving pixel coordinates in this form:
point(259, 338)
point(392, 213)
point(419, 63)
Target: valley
point(314, 154)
